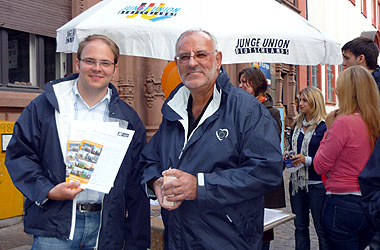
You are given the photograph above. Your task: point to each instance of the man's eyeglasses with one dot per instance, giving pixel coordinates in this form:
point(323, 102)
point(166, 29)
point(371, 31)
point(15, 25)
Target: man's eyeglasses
point(92, 62)
point(198, 56)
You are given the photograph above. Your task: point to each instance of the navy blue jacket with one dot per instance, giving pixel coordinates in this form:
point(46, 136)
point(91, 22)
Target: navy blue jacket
point(313, 148)
point(35, 163)
point(369, 181)
point(376, 76)
point(369, 178)
point(236, 148)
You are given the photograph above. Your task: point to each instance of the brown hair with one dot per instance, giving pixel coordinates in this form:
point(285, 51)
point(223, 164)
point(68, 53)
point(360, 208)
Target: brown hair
point(256, 79)
point(113, 46)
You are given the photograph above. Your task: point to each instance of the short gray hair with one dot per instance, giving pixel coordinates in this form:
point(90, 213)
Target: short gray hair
point(214, 41)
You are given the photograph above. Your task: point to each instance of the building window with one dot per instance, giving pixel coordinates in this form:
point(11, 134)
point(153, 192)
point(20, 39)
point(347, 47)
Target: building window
point(314, 76)
point(18, 58)
point(330, 84)
point(364, 7)
point(341, 68)
point(28, 60)
point(51, 59)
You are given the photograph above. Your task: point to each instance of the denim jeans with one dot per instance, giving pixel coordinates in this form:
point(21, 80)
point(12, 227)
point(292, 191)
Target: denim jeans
point(345, 223)
point(302, 203)
point(85, 235)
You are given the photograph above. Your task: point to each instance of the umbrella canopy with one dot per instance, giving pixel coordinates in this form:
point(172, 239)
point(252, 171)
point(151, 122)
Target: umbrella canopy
point(246, 30)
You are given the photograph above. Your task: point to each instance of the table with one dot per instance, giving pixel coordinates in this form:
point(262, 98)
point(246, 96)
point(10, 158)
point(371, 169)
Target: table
point(272, 218)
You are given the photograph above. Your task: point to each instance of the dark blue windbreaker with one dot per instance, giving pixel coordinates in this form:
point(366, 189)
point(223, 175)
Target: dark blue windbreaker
point(35, 163)
point(236, 148)
point(369, 181)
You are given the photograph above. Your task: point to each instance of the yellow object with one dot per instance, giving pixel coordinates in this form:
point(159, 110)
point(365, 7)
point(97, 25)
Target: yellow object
point(11, 200)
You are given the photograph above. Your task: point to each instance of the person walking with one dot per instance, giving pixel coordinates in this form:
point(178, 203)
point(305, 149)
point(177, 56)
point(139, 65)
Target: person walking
point(307, 193)
point(351, 134)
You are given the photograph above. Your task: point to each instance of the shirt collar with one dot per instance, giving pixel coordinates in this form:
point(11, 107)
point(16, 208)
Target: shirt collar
point(76, 93)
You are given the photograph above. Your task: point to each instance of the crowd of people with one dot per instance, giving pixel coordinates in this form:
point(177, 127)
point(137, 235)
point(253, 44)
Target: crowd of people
point(219, 143)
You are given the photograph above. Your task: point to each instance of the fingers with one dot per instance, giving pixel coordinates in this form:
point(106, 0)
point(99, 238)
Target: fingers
point(157, 186)
point(173, 171)
point(298, 159)
point(182, 187)
point(65, 191)
point(70, 184)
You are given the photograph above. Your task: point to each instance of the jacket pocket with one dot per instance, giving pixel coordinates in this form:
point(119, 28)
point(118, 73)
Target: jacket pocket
point(243, 224)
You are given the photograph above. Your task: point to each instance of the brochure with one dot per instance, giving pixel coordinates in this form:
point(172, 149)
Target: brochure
point(95, 152)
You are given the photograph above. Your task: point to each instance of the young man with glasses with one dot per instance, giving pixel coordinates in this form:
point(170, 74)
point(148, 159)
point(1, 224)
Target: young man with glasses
point(221, 147)
point(57, 213)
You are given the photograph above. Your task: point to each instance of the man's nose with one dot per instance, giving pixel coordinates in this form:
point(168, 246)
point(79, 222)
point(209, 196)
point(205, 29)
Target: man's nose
point(192, 60)
point(96, 66)
point(344, 63)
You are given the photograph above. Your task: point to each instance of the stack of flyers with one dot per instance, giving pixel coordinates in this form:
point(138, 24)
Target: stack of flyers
point(95, 152)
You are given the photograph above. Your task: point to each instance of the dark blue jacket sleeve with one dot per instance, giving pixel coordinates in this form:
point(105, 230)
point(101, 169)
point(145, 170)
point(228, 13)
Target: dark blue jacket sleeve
point(24, 154)
point(138, 206)
point(369, 181)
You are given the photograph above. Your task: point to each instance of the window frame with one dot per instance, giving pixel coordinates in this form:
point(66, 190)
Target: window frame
point(36, 63)
point(374, 16)
point(310, 76)
point(363, 7)
point(333, 85)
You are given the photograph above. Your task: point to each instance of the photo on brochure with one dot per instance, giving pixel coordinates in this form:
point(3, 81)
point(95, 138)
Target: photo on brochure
point(81, 160)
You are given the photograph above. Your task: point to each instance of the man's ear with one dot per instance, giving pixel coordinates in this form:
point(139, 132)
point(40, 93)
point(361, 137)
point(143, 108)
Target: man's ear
point(361, 60)
point(219, 57)
point(77, 66)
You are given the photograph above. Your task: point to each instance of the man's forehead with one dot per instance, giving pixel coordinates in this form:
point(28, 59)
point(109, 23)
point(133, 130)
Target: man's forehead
point(196, 40)
point(347, 53)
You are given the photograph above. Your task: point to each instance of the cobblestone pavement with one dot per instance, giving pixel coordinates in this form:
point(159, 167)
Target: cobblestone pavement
point(284, 234)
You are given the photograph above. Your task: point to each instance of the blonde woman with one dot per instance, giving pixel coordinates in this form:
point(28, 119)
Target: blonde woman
point(351, 134)
point(307, 192)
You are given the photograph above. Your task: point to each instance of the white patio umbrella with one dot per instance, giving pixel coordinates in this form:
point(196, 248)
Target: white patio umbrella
point(246, 30)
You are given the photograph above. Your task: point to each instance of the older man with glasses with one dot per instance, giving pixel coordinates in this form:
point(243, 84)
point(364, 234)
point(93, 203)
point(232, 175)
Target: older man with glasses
point(215, 155)
point(58, 214)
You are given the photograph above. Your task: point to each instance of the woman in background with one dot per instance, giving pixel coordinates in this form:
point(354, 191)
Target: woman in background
point(254, 82)
point(351, 134)
point(307, 192)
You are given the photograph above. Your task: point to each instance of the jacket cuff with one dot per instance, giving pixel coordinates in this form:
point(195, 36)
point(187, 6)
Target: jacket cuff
point(42, 196)
point(201, 190)
point(149, 192)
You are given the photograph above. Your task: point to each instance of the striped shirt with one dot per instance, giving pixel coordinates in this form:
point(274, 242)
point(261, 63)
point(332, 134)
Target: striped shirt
point(99, 112)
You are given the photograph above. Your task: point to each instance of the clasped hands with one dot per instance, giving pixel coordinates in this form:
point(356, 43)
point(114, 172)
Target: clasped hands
point(178, 190)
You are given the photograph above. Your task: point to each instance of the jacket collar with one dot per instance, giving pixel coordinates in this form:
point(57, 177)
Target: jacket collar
point(50, 93)
point(174, 108)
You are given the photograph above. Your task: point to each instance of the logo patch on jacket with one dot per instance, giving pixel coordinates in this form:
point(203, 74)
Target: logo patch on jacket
point(221, 134)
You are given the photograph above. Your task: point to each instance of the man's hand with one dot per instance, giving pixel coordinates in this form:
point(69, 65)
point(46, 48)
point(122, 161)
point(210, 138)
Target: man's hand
point(182, 188)
point(65, 191)
point(157, 188)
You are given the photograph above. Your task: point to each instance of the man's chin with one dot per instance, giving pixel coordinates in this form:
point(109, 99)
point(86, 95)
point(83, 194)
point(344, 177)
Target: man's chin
point(194, 85)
